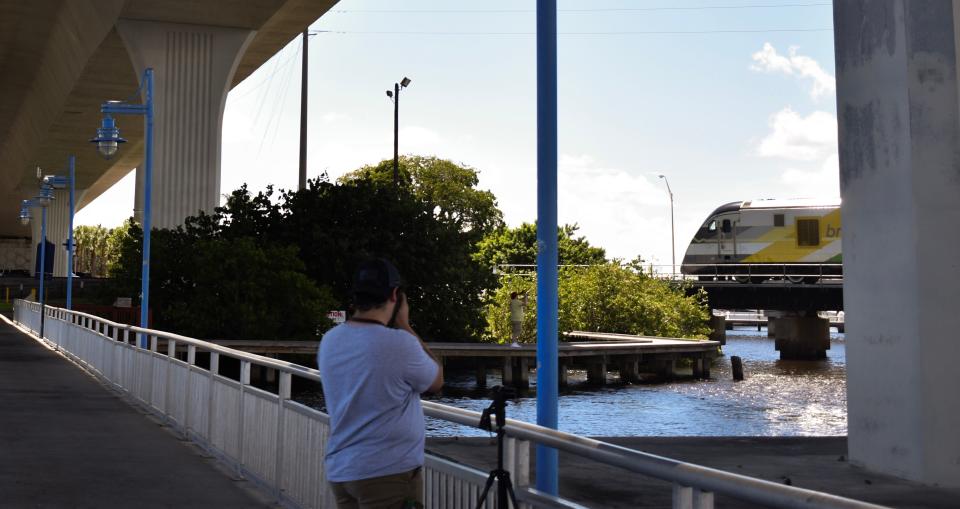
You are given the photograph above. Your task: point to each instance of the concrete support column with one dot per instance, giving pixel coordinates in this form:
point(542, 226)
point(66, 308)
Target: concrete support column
point(630, 369)
point(597, 371)
point(564, 378)
point(718, 329)
point(58, 228)
point(802, 337)
point(193, 69)
point(667, 368)
point(507, 377)
point(521, 374)
point(899, 129)
point(481, 373)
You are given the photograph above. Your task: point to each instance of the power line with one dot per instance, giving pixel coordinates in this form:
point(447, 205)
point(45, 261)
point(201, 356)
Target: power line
point(642, 32)
point(584, 10)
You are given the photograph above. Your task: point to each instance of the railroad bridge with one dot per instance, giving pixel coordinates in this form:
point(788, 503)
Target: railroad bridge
point(792, 304)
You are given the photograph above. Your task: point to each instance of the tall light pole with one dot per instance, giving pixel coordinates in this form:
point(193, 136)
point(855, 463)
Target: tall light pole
point(42, 200)
point(395, 96)
point(547, 273)
point(673, 243)
point(302, 184)
point(108, 140)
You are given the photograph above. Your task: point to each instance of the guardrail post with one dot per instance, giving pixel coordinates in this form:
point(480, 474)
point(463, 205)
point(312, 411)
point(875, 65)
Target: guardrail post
point(702, 499)
point(682, 497)
point(188, 393)
point(244, 381)
point(167, 386)
point(211, 402)
point(283, 395)
point(516, 459)
point(685, 497)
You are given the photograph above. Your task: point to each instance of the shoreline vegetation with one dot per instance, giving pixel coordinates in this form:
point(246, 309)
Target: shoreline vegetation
point(272, 264)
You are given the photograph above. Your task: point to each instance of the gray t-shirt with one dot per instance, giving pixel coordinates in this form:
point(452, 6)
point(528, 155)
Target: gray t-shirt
point(372, 380)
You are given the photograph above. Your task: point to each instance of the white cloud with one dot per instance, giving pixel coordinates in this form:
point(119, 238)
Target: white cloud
point(417, 140)
point(794, 64)
point(332, 117)
point(625, 212)
point(793, 136)
point(823, 182)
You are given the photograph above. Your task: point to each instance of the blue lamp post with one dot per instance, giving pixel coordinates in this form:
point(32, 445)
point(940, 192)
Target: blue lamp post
point(108, 142)
point(547, 277)
point(42, 200)
point(59, 182)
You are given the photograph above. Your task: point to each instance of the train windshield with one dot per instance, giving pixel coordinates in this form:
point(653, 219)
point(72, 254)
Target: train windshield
point(712, 226)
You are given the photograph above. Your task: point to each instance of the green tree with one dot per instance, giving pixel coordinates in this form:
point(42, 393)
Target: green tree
point(210, 286)
point(610, 297)
point(518, 246)
point(450, 187)
point(92, 249)
point(337, 225)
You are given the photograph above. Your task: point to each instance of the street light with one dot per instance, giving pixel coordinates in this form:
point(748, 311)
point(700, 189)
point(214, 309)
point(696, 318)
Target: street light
point(395, 96)
point(42, 200)
point(108, 140)
point(673, 243)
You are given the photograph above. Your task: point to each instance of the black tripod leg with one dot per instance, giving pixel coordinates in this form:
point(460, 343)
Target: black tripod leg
point(486, 490)
point(513, 497)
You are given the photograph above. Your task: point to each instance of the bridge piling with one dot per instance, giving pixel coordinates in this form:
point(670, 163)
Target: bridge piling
point(718, 328)
point(597, 371)
point(800, 337)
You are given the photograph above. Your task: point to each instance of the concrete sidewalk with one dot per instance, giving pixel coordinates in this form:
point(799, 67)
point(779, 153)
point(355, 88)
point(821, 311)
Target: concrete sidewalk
point(67, 441)
point(817, 463)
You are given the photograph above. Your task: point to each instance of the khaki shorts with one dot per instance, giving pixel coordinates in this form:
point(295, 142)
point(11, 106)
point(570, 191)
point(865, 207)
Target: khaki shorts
point(395, 491)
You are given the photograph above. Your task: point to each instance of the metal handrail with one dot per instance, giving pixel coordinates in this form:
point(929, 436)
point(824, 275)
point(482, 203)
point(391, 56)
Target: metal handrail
point(680, 473)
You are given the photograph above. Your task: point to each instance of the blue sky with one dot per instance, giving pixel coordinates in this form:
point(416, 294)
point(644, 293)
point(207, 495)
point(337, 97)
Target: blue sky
point(718, 99)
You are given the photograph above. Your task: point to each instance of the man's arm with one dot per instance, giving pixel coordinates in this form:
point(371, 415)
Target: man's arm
point(403, 322)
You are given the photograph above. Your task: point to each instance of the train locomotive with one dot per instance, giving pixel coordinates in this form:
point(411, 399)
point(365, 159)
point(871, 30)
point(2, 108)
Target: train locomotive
point(796, 240)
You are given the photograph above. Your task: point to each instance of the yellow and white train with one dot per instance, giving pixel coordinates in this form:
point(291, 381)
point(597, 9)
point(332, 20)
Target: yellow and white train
point(752, 241)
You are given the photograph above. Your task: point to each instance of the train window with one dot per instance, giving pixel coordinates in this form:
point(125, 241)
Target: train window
point(726, 226)
point(808, 232)
point(713, 226)
point(778, 219)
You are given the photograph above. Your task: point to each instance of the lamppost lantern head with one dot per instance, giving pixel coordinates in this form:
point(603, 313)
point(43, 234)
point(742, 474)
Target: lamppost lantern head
point(25, 212)
point(390, 94)
point(56, 181)
point(45, 197)
point(662, 176)
point(108, 138)
point(405, 82)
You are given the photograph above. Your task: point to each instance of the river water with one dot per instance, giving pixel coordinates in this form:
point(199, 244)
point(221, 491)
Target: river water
point(778, 398)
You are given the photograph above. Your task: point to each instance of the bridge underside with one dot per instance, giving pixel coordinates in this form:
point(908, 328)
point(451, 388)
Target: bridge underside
point(772, 296)
point(60, 59)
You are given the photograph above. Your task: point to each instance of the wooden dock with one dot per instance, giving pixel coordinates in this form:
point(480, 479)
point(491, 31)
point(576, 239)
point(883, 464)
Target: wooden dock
point(629, 356)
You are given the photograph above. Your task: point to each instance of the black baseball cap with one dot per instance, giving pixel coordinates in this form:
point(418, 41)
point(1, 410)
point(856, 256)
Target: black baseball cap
point(375, 278)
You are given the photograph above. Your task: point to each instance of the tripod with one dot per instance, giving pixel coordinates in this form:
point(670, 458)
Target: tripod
point(504, 486)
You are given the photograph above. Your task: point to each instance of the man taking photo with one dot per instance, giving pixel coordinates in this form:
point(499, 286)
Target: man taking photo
point(374, 368)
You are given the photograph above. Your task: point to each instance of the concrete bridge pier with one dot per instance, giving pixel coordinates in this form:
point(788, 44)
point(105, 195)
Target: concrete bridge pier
point(516, 372)
point(899, 126)
point(193, 70)
point(718, 328)
point(802, 336)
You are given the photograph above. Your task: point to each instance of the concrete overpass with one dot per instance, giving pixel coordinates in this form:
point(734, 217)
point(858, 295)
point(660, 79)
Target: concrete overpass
point(60, 59)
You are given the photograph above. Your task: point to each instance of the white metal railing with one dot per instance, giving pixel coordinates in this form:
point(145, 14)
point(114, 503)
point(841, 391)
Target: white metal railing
point(279, 443)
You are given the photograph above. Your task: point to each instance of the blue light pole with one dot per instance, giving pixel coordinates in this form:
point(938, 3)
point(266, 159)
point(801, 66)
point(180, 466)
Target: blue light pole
point(108, 140)
point(59, 182)
point(42, 200)
point(547, 301)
